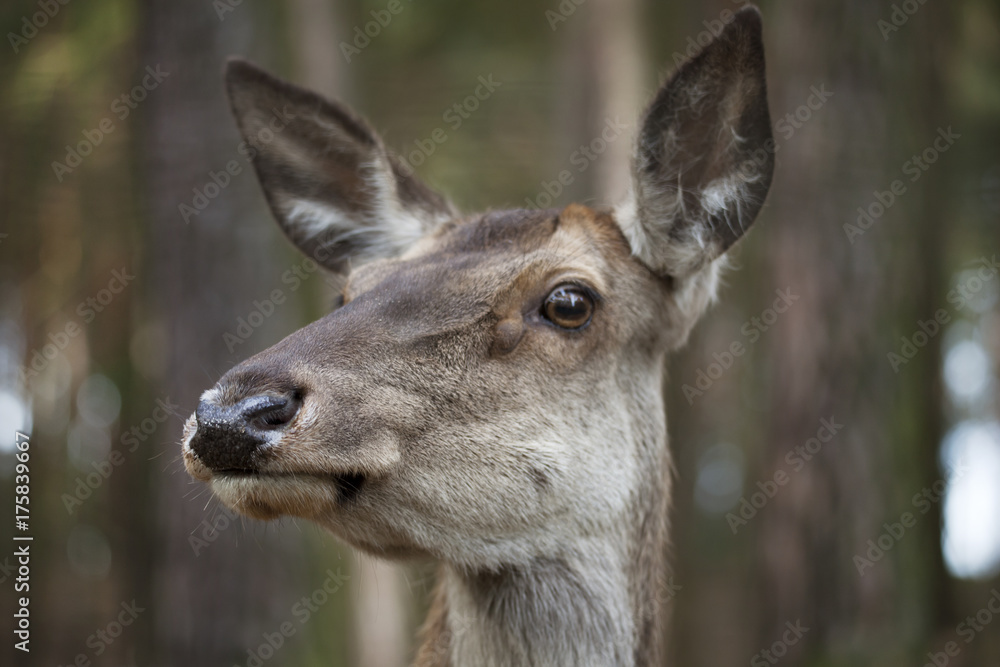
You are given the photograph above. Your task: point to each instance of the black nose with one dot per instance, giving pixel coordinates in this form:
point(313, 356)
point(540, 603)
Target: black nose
point(231, 438)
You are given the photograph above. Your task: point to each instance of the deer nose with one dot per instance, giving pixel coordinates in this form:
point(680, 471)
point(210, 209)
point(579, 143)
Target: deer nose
point(230, 438)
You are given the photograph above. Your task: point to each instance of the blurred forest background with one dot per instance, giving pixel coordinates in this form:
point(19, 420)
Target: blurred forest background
point(116, 303)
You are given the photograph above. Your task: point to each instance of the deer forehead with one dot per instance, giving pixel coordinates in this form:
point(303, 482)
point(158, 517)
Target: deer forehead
point(498, 258)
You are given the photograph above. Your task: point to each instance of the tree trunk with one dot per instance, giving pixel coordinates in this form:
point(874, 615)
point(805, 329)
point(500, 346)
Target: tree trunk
point(829, 353)
point(219, 595)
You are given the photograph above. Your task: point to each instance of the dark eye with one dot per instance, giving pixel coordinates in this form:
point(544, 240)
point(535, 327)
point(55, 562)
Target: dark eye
point(568, 307)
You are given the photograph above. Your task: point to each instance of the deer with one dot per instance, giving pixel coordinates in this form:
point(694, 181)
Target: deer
point(489, 390)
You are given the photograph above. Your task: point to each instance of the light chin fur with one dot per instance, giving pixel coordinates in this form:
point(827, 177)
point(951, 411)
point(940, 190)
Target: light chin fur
point(268, 497)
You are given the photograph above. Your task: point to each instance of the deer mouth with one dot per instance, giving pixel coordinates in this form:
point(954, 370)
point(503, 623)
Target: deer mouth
point(264, 495)
point(348, 484)
point(268, 494)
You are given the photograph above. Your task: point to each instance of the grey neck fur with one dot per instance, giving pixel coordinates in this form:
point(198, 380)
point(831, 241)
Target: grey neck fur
point(557, 612)
point(602, 602)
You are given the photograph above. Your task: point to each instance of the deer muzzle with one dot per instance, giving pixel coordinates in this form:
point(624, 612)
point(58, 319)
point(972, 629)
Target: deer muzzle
point(232, 438)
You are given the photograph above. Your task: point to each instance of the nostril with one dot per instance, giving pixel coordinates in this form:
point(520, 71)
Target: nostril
point(208, 413)
point(235, 437)
point(268, 412)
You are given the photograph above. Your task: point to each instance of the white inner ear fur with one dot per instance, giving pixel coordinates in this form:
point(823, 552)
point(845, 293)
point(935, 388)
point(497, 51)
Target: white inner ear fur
point(647, 222)
point(388, 229)
point(650, 212)
point(688, 260)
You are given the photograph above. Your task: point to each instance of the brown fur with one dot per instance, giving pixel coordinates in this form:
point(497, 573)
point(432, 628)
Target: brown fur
point(440, 412)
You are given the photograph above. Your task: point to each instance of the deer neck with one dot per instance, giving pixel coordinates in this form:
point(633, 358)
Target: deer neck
point(602, 602)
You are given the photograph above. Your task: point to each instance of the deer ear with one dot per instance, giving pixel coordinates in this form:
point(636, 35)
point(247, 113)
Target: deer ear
point(705, 155)
point(335, 190)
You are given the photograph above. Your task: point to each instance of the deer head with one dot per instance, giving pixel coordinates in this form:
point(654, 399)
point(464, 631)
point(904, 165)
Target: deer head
point(489, 392)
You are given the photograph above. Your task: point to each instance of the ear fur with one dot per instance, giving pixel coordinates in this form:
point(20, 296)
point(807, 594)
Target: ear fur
point(705, 155)
point(333, 187)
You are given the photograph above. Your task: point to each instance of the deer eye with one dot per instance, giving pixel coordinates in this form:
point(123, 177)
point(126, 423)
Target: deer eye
point(569, 307)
